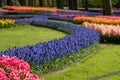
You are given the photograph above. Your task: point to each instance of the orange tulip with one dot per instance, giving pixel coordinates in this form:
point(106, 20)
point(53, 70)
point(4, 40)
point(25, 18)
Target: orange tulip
point(99, 20)
point(26, 8)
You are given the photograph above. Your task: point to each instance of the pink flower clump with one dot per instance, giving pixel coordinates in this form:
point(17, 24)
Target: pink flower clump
point(15, 69)
point(67, 15)
point(109, 17)
point(104, 29)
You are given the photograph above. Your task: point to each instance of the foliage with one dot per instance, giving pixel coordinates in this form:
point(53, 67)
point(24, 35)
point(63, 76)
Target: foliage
point(60, 4)
point(94, 3)
point(98, 3)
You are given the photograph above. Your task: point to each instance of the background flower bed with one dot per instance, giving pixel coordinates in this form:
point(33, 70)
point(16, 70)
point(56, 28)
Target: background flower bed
point(61, 18)
point(26, 8)
point(18, 14)
point(99, 20)
point(15, 17)
point(112, 34)
point(63, 15)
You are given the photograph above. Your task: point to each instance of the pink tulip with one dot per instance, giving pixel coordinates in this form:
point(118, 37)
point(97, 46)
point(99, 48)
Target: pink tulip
point(15, 69)
point(104, 29)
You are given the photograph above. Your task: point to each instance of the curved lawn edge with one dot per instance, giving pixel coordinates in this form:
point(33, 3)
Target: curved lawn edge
point(18, 36)
point(103, 38)
point(46, 52)
point(58, 64)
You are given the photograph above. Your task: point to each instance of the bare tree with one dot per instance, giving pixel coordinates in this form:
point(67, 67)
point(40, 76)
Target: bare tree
point(107, 7)
point(72, 4)
point(59, 4)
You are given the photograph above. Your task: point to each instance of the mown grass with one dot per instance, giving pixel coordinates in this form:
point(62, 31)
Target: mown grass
point(1, 8)
point(25, 34)
point(103, 62)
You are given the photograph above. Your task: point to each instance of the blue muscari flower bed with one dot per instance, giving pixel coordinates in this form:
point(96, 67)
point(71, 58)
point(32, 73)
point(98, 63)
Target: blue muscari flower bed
point(79, 37)
point(69, 19)
point(88, 13)
point(18, 12)
point(16, 17)
point(81, 13)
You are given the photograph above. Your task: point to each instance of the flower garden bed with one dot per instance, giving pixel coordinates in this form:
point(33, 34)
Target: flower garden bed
point(14, 12)
point(107, 25)
point(7, 23)
point(99, 20)
point(16, 17)
point(18, 14)
point(15, 69)
point(61, 18)
point(109, 33)
point(43, 54)
point(69, 16)
point(52, 55)
point(26, 8)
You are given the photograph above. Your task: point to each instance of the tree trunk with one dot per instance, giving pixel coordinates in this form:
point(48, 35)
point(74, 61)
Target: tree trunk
point(86, 4)
point(118, 4)
point(59, 4)
point(66, 3)
point(31, 2)
point(0, 3)
point(23, 2)
point(53, 3)
point(15, 2)
point(48, 2)
point(72, 4)
point(75, 4)
point(41, 3)
point(9, 2)
point(107, 7)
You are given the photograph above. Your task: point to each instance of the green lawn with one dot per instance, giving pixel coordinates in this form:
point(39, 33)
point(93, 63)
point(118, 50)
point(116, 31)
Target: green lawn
point(1, 8)
point(103, 62)
point(26, 35)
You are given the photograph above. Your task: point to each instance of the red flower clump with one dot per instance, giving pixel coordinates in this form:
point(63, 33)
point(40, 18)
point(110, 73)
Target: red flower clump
point(15, 69)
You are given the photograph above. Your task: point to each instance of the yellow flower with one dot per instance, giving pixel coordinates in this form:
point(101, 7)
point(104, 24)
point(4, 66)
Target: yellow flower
point(7, 23)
